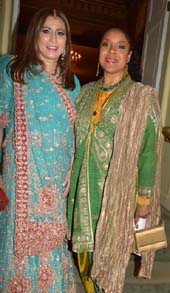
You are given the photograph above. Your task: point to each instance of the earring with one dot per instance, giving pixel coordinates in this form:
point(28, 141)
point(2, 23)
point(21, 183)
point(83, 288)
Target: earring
point(126, 70)
point(98, 69)
point(62, 56)
point(54, 12)
point(58, 71)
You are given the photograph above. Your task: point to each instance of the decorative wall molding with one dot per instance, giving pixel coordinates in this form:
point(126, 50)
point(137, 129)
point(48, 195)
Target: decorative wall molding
point(84, 11)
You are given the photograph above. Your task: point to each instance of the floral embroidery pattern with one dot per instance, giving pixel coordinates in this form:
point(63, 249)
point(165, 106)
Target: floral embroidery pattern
point(45, 276)
point(18, 285)
point(47, 198)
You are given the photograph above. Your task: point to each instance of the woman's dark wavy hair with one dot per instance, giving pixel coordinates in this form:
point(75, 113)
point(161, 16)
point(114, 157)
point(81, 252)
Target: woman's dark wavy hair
point(127, 35)
point(24, 61)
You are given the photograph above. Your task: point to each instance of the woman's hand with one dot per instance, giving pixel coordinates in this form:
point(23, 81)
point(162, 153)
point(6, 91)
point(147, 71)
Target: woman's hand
point(142, 211)
point(1, 136)
point(66, 182)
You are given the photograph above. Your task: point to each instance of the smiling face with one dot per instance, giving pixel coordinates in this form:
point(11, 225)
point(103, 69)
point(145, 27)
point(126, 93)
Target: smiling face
point(51, 41)
point(114, 53)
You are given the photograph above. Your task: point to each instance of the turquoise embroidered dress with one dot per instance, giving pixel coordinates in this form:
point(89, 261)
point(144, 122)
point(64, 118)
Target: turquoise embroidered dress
point(37, 151)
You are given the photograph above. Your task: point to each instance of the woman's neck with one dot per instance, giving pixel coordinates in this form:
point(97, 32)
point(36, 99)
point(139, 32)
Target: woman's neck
point(50, 67)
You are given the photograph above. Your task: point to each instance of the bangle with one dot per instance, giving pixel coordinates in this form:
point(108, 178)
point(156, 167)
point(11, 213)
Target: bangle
point(143, 201)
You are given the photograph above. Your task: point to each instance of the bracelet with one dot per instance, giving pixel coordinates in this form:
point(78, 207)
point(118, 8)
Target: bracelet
point(143, 201)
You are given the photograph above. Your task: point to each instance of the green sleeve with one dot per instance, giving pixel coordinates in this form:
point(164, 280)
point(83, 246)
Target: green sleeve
point(147, 160)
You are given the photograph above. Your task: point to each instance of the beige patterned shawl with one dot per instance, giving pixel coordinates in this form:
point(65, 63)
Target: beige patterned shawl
point(114, 235)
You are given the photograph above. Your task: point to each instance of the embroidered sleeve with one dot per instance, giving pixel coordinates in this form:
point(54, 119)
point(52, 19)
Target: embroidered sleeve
point(147, 160)
point(6, 91)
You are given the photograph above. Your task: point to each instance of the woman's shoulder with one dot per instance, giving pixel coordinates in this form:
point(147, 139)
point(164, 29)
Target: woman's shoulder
point(154, 105)
point(4, 60)
point(76, 81)
point(89, 85)
point(139, 89)
point(145, 88)
point(84, 93)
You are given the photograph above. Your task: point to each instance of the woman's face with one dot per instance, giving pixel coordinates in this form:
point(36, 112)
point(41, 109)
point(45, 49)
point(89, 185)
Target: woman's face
point(51, 41)
point(114, 52)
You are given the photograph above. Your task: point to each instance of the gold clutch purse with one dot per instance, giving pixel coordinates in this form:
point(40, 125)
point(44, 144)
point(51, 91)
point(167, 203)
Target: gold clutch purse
point(150, 239)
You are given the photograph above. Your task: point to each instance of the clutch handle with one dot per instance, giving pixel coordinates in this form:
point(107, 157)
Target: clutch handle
point(161, 221)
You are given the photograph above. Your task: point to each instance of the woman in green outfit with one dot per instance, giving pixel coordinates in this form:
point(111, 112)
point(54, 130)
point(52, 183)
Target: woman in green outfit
point(115, 177)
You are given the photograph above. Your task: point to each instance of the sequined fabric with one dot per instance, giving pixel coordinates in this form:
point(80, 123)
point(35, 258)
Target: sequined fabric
point(38, 149)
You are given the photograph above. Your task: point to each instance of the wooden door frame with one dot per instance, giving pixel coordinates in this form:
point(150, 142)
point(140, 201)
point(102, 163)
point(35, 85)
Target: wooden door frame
point(5, 24)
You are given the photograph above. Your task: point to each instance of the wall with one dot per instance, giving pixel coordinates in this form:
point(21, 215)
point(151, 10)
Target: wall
point(86, 68)
point(156, 72)
point(5, 24)
point(165, 107)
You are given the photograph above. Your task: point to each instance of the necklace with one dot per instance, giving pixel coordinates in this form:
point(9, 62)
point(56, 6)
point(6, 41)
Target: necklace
point(55, 77)
point(103, 96)
point(56, 74)
point(111, 87)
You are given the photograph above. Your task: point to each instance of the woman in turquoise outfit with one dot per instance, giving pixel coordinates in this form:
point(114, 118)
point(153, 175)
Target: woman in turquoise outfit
point(115, 177)
point(37, 95)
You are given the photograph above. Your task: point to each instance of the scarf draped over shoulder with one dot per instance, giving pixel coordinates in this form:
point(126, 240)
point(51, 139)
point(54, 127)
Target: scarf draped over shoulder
point(114, 234)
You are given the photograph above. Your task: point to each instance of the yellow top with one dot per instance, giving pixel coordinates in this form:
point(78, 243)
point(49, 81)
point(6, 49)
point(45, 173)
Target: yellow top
point(101, 99)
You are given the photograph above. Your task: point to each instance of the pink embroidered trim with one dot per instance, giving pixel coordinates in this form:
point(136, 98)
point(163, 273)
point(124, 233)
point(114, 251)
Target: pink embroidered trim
point(72, 114)
point(44, 236)
point(45, 275)
point(19, 284)
point(47, 198)
point(30, 237)
point(22, 193)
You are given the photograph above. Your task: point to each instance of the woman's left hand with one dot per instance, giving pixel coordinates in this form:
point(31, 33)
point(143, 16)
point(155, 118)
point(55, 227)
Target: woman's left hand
point(66, 182)
point(142, 212)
